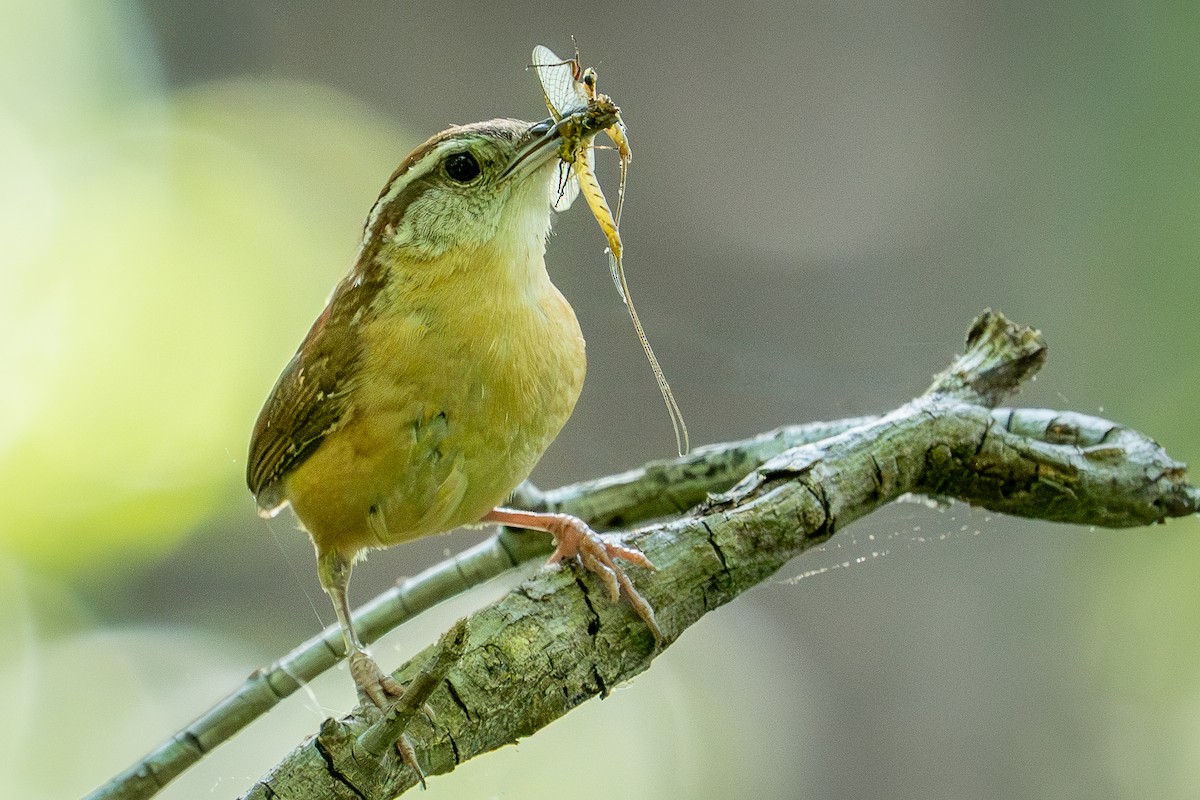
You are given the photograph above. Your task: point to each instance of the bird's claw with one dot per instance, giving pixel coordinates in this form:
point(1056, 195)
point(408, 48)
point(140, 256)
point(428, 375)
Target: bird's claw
point(377, 688)
point(374, 685)
point(573, 538)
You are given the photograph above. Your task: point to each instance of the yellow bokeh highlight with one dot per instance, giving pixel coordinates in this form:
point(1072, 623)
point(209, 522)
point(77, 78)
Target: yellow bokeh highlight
point(163, 254)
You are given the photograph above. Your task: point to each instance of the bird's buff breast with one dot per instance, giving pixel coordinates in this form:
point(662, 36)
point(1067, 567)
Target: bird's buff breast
point(458, 406)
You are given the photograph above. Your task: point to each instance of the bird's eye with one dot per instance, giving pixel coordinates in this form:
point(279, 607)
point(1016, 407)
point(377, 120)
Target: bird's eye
point(462, 167)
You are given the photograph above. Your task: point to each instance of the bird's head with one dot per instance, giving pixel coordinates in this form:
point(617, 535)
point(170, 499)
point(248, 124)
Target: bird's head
point(470, 184)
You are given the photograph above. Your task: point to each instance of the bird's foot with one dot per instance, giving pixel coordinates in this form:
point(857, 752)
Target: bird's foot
point(374, 685)
point(377, 688)
point(574, 538)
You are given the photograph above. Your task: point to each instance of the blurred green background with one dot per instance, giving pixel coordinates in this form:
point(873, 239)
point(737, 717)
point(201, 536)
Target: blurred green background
point(823, 196)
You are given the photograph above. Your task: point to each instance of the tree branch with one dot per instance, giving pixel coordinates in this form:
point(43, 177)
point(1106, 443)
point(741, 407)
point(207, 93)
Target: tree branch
point(556, 640)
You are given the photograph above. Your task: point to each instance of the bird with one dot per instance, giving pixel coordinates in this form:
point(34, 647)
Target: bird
point(441, 368)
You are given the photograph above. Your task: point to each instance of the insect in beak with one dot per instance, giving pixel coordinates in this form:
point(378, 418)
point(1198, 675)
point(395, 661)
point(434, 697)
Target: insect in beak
point(559, 137)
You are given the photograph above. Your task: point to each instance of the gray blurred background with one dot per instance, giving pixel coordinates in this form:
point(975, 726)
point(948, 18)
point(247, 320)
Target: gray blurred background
point(822, 197)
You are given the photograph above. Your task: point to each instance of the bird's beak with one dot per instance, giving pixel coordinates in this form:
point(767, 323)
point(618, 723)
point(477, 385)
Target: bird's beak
point(544, 140)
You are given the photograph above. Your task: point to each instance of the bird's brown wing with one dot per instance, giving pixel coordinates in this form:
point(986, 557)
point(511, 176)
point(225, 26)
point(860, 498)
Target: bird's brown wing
point(312, 397)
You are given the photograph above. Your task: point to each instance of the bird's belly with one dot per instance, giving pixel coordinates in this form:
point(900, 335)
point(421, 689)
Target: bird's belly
point(445, 431)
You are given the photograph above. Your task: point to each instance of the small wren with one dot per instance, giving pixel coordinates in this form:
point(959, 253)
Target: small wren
point(441, 369)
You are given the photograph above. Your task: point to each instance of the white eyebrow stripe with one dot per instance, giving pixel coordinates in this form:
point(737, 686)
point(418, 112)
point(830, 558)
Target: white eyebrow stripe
point(419, 170)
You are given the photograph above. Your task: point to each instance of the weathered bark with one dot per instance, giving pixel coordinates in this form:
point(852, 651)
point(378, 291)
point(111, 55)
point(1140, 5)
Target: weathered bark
point(558, 640)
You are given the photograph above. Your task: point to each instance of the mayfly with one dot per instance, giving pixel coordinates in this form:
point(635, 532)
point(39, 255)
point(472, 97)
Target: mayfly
point(567, 88)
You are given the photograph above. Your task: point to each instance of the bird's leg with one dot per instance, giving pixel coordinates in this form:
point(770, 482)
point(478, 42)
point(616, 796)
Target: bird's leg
point(573, 538)
point(374, 685)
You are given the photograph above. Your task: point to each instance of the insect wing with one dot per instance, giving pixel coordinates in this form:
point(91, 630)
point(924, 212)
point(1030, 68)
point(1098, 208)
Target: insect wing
point(562, 92)
point(565, 189)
